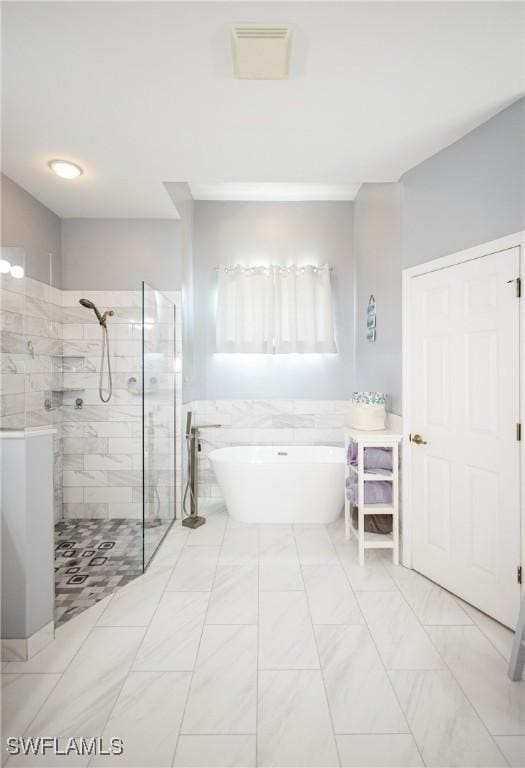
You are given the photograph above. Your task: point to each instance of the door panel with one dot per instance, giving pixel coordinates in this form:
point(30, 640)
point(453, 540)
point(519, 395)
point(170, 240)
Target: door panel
point(482, 493)
point(436, 357)
point(437, 503)
point(482, 373)
point(464, 351)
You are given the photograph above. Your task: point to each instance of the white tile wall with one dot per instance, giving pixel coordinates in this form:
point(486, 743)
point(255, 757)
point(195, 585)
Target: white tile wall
point(30, 311)
point(108, 438)
point(98, 449)
point(270, 422)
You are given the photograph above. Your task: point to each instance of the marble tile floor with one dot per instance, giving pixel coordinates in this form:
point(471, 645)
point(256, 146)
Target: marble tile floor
point(93, 558)
point(268, 645)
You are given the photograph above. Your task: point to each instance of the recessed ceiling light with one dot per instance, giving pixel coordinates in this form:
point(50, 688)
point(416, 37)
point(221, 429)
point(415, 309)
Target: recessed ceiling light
point(65, 169)
point(5, 267)
point(17, 271)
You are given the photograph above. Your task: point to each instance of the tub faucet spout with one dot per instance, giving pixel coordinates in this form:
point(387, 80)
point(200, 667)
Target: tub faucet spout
point(196, 430)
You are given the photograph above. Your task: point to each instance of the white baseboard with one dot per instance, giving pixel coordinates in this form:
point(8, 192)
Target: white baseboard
point(22, 649)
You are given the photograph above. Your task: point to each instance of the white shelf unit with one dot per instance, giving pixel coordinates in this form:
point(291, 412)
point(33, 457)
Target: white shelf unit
point(384, 438)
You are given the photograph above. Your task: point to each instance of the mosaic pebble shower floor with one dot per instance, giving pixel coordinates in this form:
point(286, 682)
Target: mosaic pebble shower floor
point(93, 558)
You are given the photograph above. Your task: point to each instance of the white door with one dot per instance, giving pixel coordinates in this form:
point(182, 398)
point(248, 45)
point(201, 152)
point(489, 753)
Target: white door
point(464, 387)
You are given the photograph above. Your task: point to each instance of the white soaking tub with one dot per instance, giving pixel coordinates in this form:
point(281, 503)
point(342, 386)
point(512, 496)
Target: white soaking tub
point(281, 484)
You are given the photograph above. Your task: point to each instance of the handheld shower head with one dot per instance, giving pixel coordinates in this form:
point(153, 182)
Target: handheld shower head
point(89, 305)
point(105, 348)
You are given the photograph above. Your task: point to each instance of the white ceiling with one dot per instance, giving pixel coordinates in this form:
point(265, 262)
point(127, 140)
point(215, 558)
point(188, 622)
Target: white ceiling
point(142, 93)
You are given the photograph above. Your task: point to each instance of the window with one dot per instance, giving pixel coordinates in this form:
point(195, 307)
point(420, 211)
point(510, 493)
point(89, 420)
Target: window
point(275, 310)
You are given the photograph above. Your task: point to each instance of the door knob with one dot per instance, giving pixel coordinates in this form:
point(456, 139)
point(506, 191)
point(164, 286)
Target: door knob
point(417, 439)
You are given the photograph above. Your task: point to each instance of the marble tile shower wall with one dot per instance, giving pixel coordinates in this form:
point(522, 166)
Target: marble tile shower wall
point(50, 353)
point(30, 361)
point(102, 443)
point(102, 448)
point(260, 422)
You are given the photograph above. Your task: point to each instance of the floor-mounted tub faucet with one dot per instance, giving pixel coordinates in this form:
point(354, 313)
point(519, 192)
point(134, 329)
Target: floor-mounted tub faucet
point(192, 519)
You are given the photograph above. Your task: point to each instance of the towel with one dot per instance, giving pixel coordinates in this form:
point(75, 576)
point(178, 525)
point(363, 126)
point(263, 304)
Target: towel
point(375, 458)
point(376, 491)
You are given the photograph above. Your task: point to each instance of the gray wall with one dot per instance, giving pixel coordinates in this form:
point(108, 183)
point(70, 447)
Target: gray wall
point(117, 254)
point(95, 254)
point(469, 193)
point(377, 244)
point(263, 233)
point(28, 224)
point(182, 199)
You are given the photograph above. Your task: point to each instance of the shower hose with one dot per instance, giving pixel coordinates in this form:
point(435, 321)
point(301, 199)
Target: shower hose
point(105, 356)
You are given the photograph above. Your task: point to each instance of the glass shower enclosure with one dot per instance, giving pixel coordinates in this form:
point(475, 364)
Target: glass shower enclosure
point(110, 472)
point(158, 418)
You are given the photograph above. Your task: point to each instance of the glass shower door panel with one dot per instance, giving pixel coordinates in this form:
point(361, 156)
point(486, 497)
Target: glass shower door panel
point(158, 417)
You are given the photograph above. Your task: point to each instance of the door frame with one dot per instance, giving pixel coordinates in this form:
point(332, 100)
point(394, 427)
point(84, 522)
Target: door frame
point(476, 252)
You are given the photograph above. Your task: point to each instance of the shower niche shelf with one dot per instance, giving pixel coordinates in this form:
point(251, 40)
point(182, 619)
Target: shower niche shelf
point(69, 357)
point(68, 363)
point(57, 397)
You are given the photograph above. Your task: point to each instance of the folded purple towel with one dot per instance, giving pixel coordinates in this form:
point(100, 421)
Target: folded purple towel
point(378, 458)
point(375, 458)
point(376, 491)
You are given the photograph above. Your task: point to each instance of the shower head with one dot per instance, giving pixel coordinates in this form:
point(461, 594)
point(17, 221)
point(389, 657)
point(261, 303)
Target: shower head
point(89, 305)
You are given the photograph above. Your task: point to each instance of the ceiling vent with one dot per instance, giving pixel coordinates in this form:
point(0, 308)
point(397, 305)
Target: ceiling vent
point(261, 51)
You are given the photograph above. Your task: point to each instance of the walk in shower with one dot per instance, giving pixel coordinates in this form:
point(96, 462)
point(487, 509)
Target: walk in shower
point(100, 370)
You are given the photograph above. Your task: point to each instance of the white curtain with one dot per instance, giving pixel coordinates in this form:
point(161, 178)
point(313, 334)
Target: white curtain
point(275, 310)
point(245, 309)
point(303, 314)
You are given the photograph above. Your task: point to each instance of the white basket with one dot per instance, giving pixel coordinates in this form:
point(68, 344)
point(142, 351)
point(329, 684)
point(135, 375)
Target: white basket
point(368, 416)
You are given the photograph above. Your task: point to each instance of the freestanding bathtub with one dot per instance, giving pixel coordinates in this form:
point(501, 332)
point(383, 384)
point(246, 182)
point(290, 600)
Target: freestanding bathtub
point(281, 484)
